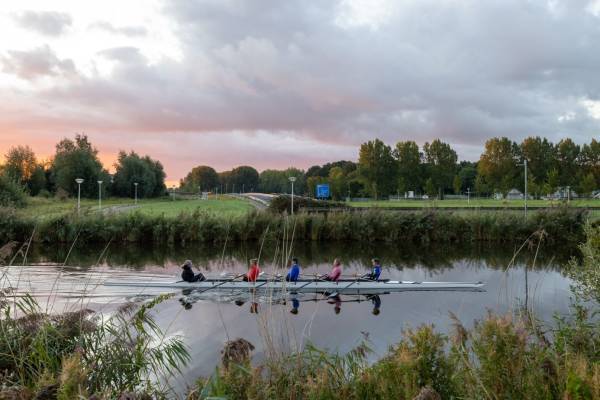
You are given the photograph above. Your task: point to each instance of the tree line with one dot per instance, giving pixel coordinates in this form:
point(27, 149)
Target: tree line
point(78, 159)
point(434, 169)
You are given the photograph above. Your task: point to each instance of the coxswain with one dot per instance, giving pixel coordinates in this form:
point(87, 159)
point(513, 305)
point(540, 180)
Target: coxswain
point(253, 271)
point(188, 274)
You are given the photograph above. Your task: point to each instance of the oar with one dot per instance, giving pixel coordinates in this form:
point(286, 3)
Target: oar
point(335, 293)
point(222, 283)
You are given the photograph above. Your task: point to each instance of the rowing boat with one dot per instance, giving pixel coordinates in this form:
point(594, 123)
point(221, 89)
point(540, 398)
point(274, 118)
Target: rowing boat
point(308, 286)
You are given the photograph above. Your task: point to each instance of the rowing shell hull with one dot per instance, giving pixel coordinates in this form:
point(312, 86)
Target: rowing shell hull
point(364, 287)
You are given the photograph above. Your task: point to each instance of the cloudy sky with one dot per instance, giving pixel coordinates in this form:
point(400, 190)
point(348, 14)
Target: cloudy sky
point(275, 83)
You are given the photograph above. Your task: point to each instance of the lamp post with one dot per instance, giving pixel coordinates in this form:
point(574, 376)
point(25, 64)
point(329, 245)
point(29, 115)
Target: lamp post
point(79, 182)
point(525, 165)
point(136, 185)
point(99, 195)
point(292, 179)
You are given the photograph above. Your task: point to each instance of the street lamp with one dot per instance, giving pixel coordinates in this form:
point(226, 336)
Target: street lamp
point(525, 165)
point(99, 195)
point(136, 185)
point(292, 179)
point(79, 182)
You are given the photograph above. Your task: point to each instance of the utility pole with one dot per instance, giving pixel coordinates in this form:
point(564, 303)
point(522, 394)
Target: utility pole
point(79, 182)
point(99, 195)
point(292, 179)
point(136, 185)
point(525, 165)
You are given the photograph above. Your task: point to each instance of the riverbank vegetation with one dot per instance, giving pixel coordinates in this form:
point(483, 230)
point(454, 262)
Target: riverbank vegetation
point(82, 354)
point(558, 226)
point(501, 357)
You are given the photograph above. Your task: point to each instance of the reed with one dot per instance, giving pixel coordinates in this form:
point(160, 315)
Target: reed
point(563, 226)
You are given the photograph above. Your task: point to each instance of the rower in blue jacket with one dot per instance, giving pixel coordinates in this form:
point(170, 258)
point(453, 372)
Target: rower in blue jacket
point(294, 273)
point(375, 271)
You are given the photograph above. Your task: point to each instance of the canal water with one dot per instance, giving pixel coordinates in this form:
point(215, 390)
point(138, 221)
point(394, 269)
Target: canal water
point(514, 280)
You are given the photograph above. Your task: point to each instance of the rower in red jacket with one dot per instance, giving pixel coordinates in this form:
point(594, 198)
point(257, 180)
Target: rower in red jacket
point(253, 271)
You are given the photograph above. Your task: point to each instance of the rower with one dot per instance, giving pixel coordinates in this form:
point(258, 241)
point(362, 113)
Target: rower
point(335, 273)
point(188, 274)
point(294, 273)
point(253, 271)
point(375, 271)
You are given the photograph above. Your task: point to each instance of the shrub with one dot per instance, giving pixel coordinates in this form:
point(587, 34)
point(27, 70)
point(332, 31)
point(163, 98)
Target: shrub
point(11, 193)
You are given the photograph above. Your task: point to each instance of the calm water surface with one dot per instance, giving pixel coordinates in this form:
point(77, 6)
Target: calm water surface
point(207, 322)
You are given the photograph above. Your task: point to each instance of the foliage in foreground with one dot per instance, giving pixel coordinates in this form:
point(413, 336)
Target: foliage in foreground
point(501, 357)
point(563, 226)
point(586, 274)
point(79, 354)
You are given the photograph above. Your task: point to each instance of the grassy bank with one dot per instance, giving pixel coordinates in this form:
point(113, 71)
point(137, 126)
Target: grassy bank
point(41, 208)
point(559, 226)
point(474, 203)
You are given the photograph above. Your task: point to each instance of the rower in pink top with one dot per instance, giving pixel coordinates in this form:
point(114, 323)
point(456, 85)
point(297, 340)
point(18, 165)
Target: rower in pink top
point(335, 273)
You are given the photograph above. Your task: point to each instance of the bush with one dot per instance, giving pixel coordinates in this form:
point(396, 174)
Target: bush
point(44, 193)
point(11, 193)
point(283, 203)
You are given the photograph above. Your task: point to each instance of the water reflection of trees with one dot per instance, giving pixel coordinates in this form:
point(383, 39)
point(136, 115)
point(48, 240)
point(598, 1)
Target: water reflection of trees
point(235, 255)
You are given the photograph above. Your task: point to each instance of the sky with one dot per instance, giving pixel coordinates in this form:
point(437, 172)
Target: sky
point(274, 83)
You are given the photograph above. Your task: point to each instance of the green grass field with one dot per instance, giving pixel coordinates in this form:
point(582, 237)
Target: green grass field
point(43, 208)
point(474, 203)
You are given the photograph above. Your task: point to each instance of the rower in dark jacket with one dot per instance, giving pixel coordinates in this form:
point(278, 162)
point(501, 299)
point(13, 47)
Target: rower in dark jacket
point(188, 275)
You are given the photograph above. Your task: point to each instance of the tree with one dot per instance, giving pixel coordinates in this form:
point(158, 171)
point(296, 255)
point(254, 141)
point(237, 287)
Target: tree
point(20, 164)
point(552, 181)
point(430, 187)
point(77, 159)
point(22, 167)
point(202, 177)
point(567, 155)
point(498, 164)
point(377, 168)
point(467, 172)
point(243, 178)
point(540, 155)
point(590, 160)
point(337, 181)
point(587, 184)
point(146, 172)
point(410, 171)
point(11, 193)
point(441, 160)
point(272, 181)
point(457, 184)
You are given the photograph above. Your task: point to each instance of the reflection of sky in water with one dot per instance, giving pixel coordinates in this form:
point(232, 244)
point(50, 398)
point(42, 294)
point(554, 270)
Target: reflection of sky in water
point(207, 325)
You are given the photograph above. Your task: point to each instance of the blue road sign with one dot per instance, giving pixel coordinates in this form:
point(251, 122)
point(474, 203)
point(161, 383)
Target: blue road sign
point(323, 191)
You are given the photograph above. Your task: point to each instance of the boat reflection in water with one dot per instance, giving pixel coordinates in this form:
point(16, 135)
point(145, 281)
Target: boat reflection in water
point(255, 299)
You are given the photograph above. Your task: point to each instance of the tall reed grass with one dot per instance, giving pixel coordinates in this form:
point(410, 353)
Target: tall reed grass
point(79, 354)
point(561, 226)
point(501, 357)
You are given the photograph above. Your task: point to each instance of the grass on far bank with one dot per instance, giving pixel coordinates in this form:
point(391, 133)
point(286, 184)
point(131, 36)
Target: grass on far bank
point(474, 203)
point(47, 208)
